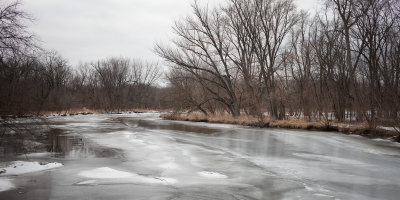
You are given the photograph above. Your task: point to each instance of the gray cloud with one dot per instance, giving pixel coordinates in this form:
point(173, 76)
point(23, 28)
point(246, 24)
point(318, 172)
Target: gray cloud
point(86, 30)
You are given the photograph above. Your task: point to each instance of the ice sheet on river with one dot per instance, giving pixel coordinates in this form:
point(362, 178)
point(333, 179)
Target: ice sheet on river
point(173, 160)
point(319, 165)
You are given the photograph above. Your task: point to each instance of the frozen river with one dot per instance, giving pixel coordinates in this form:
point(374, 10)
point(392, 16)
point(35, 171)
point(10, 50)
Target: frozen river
point(141, 156)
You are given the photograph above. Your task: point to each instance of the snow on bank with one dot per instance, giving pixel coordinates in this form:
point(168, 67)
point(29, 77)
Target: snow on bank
point(5, 184)
point(23, 167)
point(107, 175)
point(394, 129)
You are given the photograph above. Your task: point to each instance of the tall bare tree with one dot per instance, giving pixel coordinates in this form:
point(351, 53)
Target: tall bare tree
point(202, 50)
point(114, 77)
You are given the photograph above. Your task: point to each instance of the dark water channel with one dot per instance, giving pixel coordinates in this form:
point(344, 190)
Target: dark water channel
point(74, 146)
point(141, 156)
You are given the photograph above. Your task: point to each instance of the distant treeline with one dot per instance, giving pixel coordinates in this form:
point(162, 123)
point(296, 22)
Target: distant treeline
point(258, 56)
point(32, 85)
point(33, 80)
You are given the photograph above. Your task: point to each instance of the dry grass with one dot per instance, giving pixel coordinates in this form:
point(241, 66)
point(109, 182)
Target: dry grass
point(225, 118)
point(246, 120)
point(295, 124)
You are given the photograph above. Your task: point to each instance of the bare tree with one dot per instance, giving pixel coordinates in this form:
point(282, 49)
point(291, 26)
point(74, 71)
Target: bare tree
point(240, 15)
point(268, 29)
point(377, 28)
point(14, 35)
point(146, 73)
point(57, 75)
point(202, 50)
point(114, 77)
point(188, 93)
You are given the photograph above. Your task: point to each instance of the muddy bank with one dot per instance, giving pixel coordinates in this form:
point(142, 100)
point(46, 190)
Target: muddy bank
point(348, 129)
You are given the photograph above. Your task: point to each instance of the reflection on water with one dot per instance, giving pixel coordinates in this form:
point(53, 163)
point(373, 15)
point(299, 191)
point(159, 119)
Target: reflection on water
point(73, 146)
point(13, 145)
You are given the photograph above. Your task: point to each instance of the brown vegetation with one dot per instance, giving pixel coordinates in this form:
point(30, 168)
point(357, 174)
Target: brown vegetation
point(246, 120)
point(223, 118)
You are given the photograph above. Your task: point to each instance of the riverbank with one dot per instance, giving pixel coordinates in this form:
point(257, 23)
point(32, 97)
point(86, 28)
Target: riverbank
point(85, 111)
point(245, 120)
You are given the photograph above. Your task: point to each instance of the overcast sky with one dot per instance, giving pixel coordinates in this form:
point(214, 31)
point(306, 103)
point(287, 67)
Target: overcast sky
point(88, 30)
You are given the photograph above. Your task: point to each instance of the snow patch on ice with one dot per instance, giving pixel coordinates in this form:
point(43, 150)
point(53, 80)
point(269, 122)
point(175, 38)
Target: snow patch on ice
point(308, 188)
point(6, 184)
point(318, 191)
point(109, 175)
point(323, 195)
point(215, 175)
point(23, 167)
point(137, 141)
point(105, 173)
